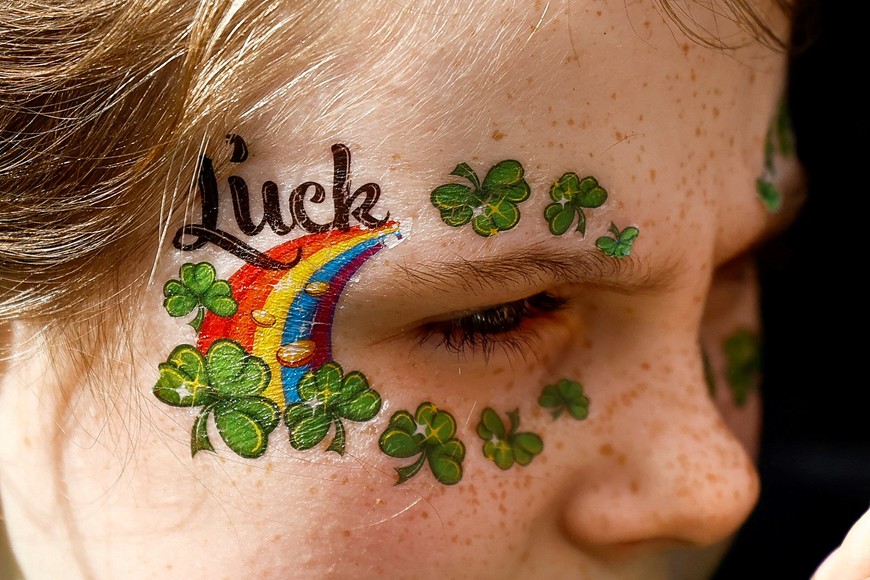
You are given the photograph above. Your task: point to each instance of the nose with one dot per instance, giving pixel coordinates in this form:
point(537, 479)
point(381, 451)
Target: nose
point(664, 467)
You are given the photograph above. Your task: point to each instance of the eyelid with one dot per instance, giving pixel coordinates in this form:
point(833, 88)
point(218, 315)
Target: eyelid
point(509, 327)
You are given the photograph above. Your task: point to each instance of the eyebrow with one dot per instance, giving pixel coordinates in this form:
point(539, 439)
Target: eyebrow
point(538, 265)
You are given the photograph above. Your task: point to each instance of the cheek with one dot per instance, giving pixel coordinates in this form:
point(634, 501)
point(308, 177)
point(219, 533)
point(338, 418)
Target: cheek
point(731, 339)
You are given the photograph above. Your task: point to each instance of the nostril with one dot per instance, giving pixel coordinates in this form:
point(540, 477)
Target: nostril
point(675, 491)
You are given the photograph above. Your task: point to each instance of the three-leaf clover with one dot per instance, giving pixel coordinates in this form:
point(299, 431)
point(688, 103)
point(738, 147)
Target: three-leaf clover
point(504, 446)
point(491, 206)
point(197, 288)
point(619, 246)
point(743, 353)
point(570, 195)
point(227, 381)
point(430, 435)
point(565, 395)
point(328, 396)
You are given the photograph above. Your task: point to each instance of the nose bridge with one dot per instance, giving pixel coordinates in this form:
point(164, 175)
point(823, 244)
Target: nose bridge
point(666, 468)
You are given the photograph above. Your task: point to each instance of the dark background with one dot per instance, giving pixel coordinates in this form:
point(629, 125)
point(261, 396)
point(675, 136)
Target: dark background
point(815, 457)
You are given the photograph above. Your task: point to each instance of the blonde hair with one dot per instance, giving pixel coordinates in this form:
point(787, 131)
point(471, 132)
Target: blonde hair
point(106, 105)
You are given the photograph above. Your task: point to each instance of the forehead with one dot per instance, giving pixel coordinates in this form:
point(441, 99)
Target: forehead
point(673, 130)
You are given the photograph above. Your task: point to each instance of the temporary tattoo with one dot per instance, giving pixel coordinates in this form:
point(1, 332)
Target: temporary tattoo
point(565, 395)
point(619, 246)
point(491, 206)
point(743, 352)
point(264, 341)
point(429, 434)
point(228, 382)
point(198, 288)
point(328, 396)
point(779, 140)
point(285, 317)
point(504, 447)
point(570, 195)
point(343, 201)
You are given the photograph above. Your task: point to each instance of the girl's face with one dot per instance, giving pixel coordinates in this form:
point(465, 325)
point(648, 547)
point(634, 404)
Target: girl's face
point(528, 347)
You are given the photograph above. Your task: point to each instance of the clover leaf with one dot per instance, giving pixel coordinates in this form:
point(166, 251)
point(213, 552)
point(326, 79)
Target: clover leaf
point(328, 396)
point(428, 434)
point(619, 246)
point(504, 447)
point(198, 288)
point(743, 353)
point(563, 396)
point(570, 195)
point(228, 382)
point(491, 206)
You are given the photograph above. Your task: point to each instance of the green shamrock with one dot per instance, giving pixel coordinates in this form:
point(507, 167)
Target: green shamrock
point(227, 381)
point(570, 195)
point(743, 352)
point(504, 447)
point(328, 396)
point(428, 434)
point(565, 395)
point(491, 207)
point(779, 139)
point(619, 246)
point(197, 288)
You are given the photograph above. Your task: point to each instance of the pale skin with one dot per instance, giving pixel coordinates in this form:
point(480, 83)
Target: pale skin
point(653, 484)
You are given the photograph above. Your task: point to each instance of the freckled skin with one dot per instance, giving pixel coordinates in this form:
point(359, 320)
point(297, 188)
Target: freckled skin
point(659, 472)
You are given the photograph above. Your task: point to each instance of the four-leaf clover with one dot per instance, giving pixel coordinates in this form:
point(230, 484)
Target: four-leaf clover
point(619, 246)
point(197, 288)
point(743, 352)
point(328, 396)
point(570, 195)
point(228, 382)
point(428, 434)
point(505, 446)
point(491, 206)
point(565, 395)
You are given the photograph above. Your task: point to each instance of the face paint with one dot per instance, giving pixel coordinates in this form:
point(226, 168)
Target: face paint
point(778, 141)
point(570, 195)
point(565, 395)
point(264, 344)
point(343, 201)
point(429, 435)
point(328, 396)
point(505, 446)
point(491, 206)
point(620, 245)
point(301, 301)
point(743, 353)
point(227, 382)
point(198, 289)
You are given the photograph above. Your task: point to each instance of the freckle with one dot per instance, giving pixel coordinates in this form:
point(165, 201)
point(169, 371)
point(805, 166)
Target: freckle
point(612, 96)
point(652, 175)
point(697, 131)
point(619, 136)
point(645, 366)
point(497, 135)
point(559, 445)
point(606, 450)
point(634, 486)
point(555, 123)
point(571, 122)
point(424, 515)
point(258, 484)
point(396, 156)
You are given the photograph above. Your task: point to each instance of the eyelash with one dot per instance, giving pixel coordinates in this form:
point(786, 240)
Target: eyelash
point(498, 326)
